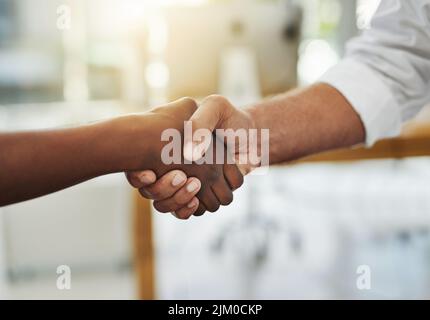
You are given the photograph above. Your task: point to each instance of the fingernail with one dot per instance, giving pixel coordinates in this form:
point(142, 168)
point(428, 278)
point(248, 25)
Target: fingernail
point(145, 193)
point(192, 186)
point(145, 179)
point(178, 179)
point(192, 204)
point(174, 214)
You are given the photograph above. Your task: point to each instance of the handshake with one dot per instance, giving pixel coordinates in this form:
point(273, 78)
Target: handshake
point(192, 158)
point(195, 157)
point(199, 155)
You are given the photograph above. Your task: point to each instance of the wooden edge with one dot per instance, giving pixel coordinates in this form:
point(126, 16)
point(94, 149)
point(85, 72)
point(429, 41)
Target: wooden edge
point(398, 148)
point(143, 247)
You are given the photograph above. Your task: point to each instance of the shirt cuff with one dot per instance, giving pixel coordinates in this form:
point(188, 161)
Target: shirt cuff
point(369, 96)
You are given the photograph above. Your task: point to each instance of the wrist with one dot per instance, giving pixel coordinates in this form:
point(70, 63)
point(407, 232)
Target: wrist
point(254, 116)
point(256, 119)
point(123, 145)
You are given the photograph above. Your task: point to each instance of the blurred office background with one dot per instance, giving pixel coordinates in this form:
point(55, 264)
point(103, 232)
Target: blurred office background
point(300, 231)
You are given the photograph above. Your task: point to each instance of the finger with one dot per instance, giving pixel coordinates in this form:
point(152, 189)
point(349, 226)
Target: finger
point(209, 114)
point(201, 209)
point(244, 169)
point(187, 211)
point(140, 179)
point(233, 176)
point(182, 108)
point(209, 200)
point(166, 186)
point(223, 192)
point(180, 198)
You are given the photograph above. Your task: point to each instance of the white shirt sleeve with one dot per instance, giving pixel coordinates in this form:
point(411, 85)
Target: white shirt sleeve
point(386, 72)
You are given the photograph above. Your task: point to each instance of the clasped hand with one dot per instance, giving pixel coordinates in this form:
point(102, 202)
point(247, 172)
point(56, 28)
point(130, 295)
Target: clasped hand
point(191, 189)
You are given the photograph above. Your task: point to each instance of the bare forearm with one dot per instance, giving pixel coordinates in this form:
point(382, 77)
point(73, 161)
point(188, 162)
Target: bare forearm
point(308, 121)
point(33, 164)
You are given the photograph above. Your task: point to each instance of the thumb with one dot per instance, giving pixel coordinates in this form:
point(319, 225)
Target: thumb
point(182, 108)
point(199, 128)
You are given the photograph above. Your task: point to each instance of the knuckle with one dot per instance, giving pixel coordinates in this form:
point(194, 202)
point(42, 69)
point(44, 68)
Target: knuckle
point(213, 173)
point(190, 102)
point(238, 181)
point(200, 210)
point(181, 198)
point(159, 206)
point(218, 100)
point(182, 215)
point(228, 199)
point(213, 207)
